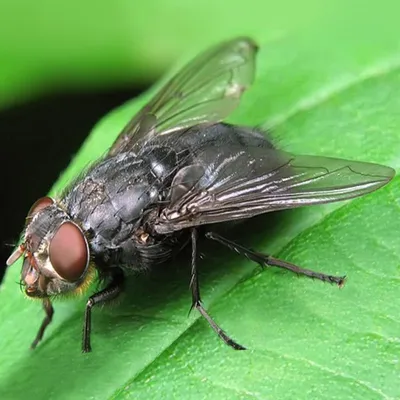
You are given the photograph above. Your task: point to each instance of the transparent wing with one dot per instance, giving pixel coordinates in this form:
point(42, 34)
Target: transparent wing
point(250, 184)
point(206, 90)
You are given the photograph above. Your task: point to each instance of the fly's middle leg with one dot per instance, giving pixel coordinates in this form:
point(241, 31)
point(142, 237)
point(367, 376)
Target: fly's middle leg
point(196, 300)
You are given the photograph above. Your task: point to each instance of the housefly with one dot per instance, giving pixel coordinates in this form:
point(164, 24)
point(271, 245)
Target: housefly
point(174, 168)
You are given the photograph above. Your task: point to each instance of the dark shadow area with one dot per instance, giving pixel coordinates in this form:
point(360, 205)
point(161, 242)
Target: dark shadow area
point(38, 141)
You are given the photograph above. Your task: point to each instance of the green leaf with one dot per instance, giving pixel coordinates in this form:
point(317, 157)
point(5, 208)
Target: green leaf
point(325, 90)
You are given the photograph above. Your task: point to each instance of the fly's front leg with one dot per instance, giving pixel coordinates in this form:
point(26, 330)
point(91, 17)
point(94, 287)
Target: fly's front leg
point(266, 260)
point(112, 291)
point(196, 300)
point(49, 310)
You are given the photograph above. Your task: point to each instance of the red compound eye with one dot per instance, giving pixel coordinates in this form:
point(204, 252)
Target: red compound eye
point(68, 252)
point(39, 205)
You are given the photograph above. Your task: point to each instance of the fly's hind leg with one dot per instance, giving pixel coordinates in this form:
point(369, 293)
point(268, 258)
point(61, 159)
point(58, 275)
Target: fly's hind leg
point(196, 300)
point(266, 260)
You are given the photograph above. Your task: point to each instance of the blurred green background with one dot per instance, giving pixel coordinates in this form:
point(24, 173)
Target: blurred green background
point(327, 83)
point(47, 45)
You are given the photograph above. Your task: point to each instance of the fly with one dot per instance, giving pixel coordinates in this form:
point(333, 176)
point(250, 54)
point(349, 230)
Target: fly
point(174, 168)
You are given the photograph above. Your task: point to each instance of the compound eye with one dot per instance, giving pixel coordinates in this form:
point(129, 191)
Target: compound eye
point(39, 205)
point(68, 252)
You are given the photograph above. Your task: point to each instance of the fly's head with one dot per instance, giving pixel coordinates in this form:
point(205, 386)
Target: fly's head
point(55, 250)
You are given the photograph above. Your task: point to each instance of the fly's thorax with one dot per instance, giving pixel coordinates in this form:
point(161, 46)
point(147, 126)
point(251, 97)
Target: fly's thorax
point(112, 198)
point(55, 250)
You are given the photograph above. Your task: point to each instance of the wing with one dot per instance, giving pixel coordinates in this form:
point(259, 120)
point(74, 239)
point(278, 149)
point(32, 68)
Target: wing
point(206, 90)
point(264, 180)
